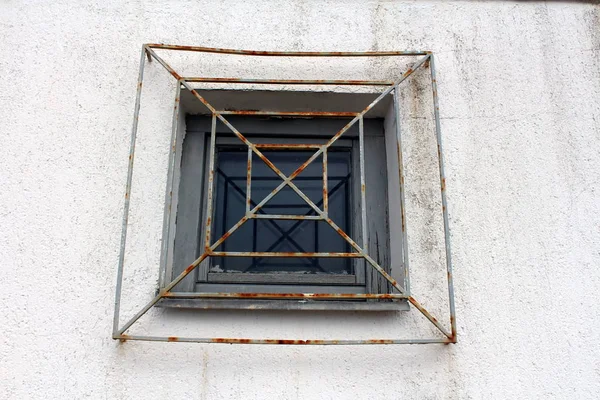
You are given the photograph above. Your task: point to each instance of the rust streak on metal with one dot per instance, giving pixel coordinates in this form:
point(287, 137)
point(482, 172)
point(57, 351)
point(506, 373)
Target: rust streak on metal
point(350, 82)
point(380, 341)
point(403, 222)
point(284, 254)
point(287, 146)
point(190, 268)
point(286, 53)
point(172, 339)
point(292, 113)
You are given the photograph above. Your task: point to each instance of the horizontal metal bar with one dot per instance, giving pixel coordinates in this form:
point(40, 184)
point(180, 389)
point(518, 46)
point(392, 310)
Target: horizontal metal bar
point(313, 296)
point(290, 113)
point(282, 254)
point(274, 278)
point(285, 146)
point(290, 81)
point(289, 53)
point(316, 342)
point(279, 216)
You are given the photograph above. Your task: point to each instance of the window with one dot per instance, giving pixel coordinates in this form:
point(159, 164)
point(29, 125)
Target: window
point(204, 194)
point(277, 229)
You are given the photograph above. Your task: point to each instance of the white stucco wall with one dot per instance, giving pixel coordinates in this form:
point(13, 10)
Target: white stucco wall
point(519, 87)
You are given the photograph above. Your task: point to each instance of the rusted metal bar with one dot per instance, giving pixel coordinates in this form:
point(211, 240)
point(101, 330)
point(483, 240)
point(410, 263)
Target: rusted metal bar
point(134, 129)
point(229, 233)
point(152, 53)
point(211, 177)
point(438, 135)
point(288, 53)
point(325, 188)
point(289, 81)
point(405, 259)
point(430, 317)
point(291, 342)
point(282, 254)
point(287, 146)
point(312, 296)
point(279, 216)
point(249, 182)
point(363, 189)
point(336, 114)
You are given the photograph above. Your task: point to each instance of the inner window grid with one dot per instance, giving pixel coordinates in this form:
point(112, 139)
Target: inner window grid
point(277, 235)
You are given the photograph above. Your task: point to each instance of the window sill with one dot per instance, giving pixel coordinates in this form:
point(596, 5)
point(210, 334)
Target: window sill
point(304, 305)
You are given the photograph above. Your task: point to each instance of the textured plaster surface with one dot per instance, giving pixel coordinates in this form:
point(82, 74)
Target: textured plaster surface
point(519, 87)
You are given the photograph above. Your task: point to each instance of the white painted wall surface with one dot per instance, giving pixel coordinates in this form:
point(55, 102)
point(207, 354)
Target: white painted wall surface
point(519, 88)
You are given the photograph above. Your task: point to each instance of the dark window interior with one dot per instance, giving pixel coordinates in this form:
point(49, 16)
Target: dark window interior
point(282, 235)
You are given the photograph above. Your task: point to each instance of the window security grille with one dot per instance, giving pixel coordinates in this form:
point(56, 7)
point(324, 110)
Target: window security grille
point(227, 181)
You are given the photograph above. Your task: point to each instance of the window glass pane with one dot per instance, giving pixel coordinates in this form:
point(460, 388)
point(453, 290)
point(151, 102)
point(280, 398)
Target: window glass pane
point(282, 235)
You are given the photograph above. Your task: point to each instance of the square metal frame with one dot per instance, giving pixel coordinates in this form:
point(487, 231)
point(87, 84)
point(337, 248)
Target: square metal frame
point(403, 292)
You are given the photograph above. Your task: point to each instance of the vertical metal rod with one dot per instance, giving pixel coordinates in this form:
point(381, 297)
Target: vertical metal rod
point(254, 241)
point(249, 181)
point(325, 208)
point(405, 259)
point(211, 177)
point(224, 216)
point(438, 134)
point(325, 187)
point(363, 201)
point(169, 191)
point(136, 114)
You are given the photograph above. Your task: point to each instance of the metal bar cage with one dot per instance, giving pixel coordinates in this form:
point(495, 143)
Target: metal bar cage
point(360, 251)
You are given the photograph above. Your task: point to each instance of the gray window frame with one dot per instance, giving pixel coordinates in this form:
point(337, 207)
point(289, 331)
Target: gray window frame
point(189, 203)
